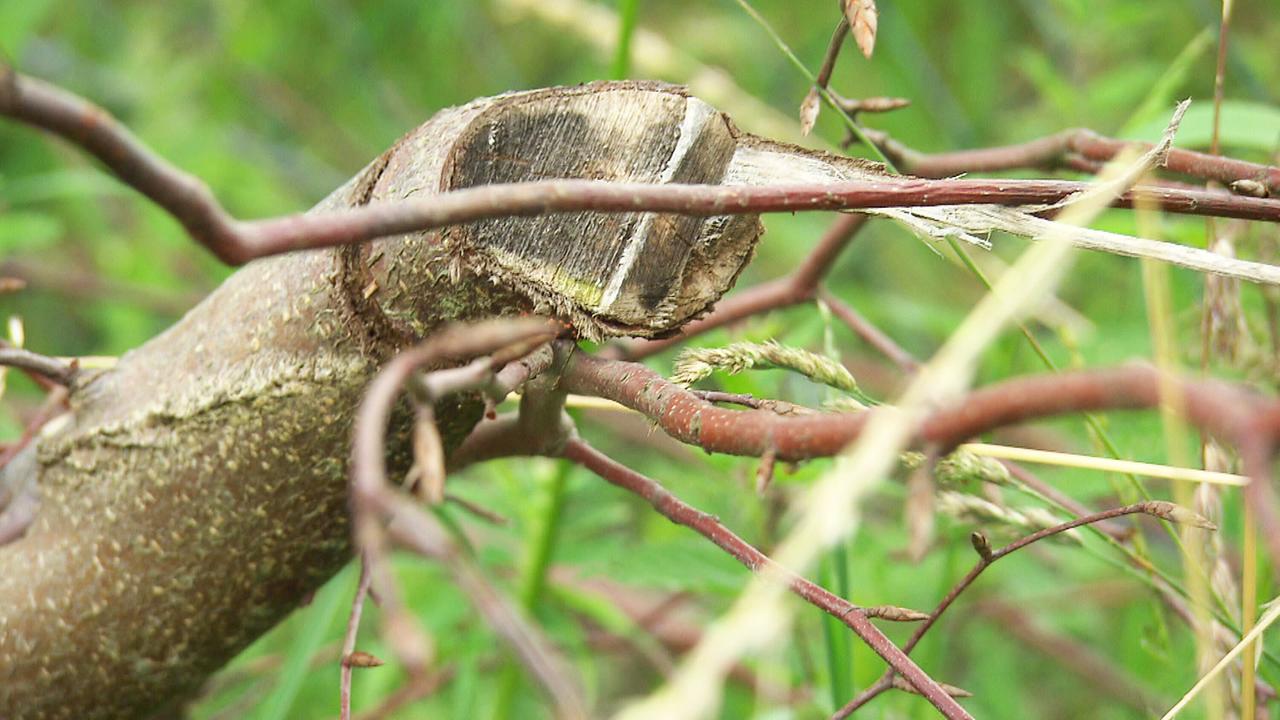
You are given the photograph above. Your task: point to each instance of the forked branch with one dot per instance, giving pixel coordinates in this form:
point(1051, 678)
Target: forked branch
point(235, 241)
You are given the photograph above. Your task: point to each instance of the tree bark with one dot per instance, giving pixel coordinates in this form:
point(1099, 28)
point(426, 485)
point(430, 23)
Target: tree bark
point(197, 491)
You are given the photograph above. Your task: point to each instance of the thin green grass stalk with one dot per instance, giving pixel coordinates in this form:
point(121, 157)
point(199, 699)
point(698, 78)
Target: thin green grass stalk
point(1249, 578)
point(1094, 425)
point(540, 543)
point(834, 570)
point(1162, 89)
point(549, 508)
point(628, 10)
point(450, 523)
point(311, 633)
point(835, 637)
point(1273, 613)
point(1155, 286)
point(835, 567)
point(1248, 612)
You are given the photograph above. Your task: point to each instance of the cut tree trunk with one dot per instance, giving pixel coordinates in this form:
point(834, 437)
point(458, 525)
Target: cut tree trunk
point(197, 492)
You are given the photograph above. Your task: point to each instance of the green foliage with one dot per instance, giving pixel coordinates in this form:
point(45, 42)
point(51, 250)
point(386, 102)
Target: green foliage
point(275, 104)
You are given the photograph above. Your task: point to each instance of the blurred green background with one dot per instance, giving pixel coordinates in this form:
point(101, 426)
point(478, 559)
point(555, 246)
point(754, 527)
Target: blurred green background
point(275, 104)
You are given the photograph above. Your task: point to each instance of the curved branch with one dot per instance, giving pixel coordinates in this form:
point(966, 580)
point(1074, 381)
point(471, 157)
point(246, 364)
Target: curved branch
point(1227, 411)
point(373, 498)
point(52, 368)
point(234, 241)
point(987, 557)
point(1220, 408)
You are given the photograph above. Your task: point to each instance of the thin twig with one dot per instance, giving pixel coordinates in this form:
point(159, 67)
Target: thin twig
point(681, 513)
point(349, 639)
point(1222, 408)
point(52, 368)
point(833, 52)
point(1058, 150)
point(421, 531)
point(986, 558)
point(813, 99)
point(55, 403)
point(1227, 411)
point(871, 334)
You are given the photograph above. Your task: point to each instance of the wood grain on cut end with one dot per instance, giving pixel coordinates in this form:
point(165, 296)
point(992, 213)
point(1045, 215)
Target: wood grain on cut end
point(629, 273)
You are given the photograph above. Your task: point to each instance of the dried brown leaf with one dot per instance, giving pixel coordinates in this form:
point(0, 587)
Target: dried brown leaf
point(901, 683)
point(809, 111)
point(1177, 514)
point(361, 659)
point(862, 16)
point(895, 613)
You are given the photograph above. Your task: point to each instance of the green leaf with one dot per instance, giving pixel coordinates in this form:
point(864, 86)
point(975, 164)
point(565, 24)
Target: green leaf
point(18, 21)
point(1245, 126)
point(312, 630)
point(27, 231)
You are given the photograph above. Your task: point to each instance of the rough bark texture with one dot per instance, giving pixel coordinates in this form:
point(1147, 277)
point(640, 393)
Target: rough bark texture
point(633, 273)
point(197, 492)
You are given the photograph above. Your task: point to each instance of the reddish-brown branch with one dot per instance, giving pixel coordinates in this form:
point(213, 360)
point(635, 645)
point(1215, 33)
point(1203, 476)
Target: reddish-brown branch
point(833, 53)
point(234, 241)
point(1068, 149)
point(1220, 408)
point(1068, 503)
point(987, 558)
point(298, 232)
point(709, 527)
point(54, 404)
point(1251, 422)
point(869, 333)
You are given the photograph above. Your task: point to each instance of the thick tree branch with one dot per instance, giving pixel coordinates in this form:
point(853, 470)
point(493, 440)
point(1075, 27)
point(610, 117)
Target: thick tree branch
point(1218, 407)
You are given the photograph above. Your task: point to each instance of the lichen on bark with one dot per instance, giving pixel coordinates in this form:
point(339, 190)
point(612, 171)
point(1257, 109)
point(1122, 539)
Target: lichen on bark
point(197, 492)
